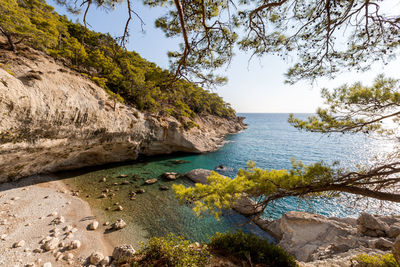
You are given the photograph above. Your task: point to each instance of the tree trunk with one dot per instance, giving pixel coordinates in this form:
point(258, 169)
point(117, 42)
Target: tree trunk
point(9, 39)
point(387, 196)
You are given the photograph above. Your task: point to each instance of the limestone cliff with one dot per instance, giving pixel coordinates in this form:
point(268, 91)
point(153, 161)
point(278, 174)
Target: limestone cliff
point(53, 118)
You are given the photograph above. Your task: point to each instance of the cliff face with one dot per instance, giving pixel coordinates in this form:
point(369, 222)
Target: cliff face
point(53, 118)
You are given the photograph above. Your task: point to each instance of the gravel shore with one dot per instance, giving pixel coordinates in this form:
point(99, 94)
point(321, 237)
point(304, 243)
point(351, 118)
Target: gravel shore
point(41, 221)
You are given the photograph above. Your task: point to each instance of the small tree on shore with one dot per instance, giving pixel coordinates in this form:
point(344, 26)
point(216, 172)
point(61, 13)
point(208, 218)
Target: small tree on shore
point(350, 109)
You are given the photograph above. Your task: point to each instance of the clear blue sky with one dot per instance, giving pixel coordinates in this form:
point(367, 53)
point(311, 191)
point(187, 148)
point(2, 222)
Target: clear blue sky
point(255, 87)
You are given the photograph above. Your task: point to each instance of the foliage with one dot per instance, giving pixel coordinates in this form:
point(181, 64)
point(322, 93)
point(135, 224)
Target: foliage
point(356, 108)
point(177, 251)
point(386, 260)
point(124, 74)
point(221, 192)
point(172, 251)
point(320, 37)
point(351, 109)
point(251, 248)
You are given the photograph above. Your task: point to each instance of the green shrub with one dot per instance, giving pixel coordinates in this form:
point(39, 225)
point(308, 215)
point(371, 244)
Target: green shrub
point(250, 247)
point(189, 125)
point(172, 251)
point(386, 260)
point(125, 75)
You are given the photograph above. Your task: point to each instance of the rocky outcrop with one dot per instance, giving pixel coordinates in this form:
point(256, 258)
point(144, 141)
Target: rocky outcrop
point(53, 118)
point(198, 175)
point(123, 254)
point(312, 237)
point(396, 249)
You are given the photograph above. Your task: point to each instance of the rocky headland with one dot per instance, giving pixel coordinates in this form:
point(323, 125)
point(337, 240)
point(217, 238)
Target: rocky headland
point(54, 118)
point(316, 240)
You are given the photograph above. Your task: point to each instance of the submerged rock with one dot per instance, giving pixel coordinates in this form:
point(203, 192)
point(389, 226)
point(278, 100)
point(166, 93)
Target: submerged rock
point(140, 191)
point(119, 224)
point(151, 181)
point(170, 175)
point(164, 187)
point(198, 175)
point(221, 168)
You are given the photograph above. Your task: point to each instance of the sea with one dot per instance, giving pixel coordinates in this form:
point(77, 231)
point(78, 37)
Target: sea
point(269, 140)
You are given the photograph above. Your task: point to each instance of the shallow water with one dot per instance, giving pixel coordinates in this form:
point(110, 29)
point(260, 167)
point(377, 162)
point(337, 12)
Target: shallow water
point(269, 141)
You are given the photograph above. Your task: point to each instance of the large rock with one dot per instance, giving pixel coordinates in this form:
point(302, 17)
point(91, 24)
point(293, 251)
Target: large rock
point(65, 121)
point(370, 225)
point(246, 206)
point(382, 244)
point(123, 254)
point(303, 234)
point(394, 230)
point(198, 175)
point(396, 249)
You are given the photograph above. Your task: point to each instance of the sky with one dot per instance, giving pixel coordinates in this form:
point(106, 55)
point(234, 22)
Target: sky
point(255, 87)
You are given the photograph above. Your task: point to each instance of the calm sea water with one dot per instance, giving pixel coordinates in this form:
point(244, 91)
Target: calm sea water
point(269, 141)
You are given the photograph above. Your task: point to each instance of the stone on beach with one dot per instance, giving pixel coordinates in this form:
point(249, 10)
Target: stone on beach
point(96, 257)
point(51, 244)
point(93, 225)
point(75, 244)
point(19, 244)
point(123, 254)
point(58, 220)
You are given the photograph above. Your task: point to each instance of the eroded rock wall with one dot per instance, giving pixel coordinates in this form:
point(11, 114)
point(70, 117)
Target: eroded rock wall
point(52, 118)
